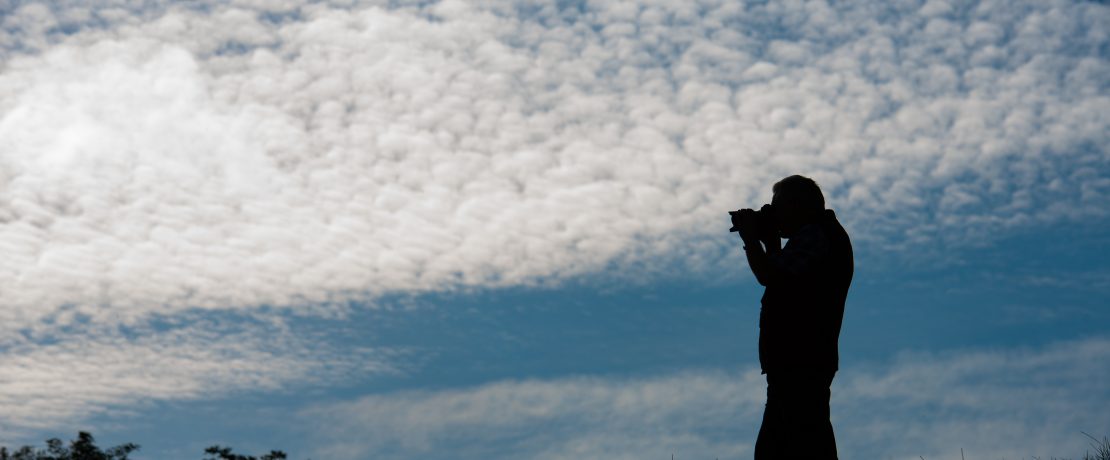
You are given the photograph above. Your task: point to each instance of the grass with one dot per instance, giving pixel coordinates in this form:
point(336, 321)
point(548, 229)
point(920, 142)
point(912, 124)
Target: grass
point(1101, 447)
point(1101, 450)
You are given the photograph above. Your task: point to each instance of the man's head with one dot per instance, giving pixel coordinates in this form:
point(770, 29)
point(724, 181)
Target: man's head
point(797, 201)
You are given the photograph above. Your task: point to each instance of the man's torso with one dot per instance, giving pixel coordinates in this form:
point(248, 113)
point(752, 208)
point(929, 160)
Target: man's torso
point(802, 313)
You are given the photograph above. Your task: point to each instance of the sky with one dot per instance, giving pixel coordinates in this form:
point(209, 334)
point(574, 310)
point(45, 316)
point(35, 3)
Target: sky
point(458, 230)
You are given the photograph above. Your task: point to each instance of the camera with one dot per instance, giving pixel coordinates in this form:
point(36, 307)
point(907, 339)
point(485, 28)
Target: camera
point(754, 222)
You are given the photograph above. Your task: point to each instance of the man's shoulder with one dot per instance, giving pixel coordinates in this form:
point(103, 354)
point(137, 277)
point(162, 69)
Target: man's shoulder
point(821, 237)
point(833, 230)
point(811, 237)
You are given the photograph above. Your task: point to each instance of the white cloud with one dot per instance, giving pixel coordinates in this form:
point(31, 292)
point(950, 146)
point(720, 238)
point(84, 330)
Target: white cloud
point(222, 156)
point(60, 382)
point(692, 415)
point(993, 404)
point(999, 403)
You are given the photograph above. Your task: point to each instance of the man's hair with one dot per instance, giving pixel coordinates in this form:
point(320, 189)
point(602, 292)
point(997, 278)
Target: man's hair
point(801, 190)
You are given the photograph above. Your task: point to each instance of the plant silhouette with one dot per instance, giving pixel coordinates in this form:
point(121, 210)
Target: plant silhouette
point(224, 453)
point(82, 448)
point(85, 448)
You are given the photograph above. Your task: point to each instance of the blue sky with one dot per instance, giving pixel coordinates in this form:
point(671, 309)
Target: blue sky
point(451, 230)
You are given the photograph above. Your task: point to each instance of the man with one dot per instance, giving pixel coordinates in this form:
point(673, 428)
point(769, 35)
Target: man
point(799, 322)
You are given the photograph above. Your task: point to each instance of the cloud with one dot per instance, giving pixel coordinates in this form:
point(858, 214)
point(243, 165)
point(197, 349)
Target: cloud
point(690, 414)
point(61, 381)
point(237, 155)
point(998, 403)
point(992, 403)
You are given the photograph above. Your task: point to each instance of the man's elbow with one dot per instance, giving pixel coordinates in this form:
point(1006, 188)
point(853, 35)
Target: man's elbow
point(763, 278)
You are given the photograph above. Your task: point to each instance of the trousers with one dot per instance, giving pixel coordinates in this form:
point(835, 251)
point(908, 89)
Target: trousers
point(796, 421)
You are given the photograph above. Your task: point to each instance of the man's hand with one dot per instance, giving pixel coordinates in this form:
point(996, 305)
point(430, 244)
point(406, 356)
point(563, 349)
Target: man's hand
point(747, 223)
point(744, 221)
point(766, 228)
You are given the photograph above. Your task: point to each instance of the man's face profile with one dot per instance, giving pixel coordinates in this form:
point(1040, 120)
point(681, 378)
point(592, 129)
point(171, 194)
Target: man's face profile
point(788, 217)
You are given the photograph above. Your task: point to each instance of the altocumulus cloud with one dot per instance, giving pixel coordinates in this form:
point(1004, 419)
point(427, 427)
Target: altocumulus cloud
point(234, 155)
point(103, 372)
point(158, 158)
point(993, 404)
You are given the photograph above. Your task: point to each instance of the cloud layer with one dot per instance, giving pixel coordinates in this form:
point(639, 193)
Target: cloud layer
point(992, 404)
point(694, 415)
point(242, 155)
point(61, 383)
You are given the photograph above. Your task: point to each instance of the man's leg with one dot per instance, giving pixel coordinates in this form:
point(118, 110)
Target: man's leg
point(814, 428)
point(773, 433)
point(766, 444)
point(796, 419)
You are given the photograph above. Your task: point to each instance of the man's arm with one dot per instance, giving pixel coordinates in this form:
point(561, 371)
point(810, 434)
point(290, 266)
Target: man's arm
point(771, 263)
point(757, 234)
point(759, 259)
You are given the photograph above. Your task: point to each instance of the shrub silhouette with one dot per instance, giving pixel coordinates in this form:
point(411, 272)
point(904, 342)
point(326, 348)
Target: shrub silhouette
point(224, 453)
point(82, 448)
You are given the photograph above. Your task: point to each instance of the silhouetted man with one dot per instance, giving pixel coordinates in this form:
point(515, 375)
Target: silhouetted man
point(799, 323)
